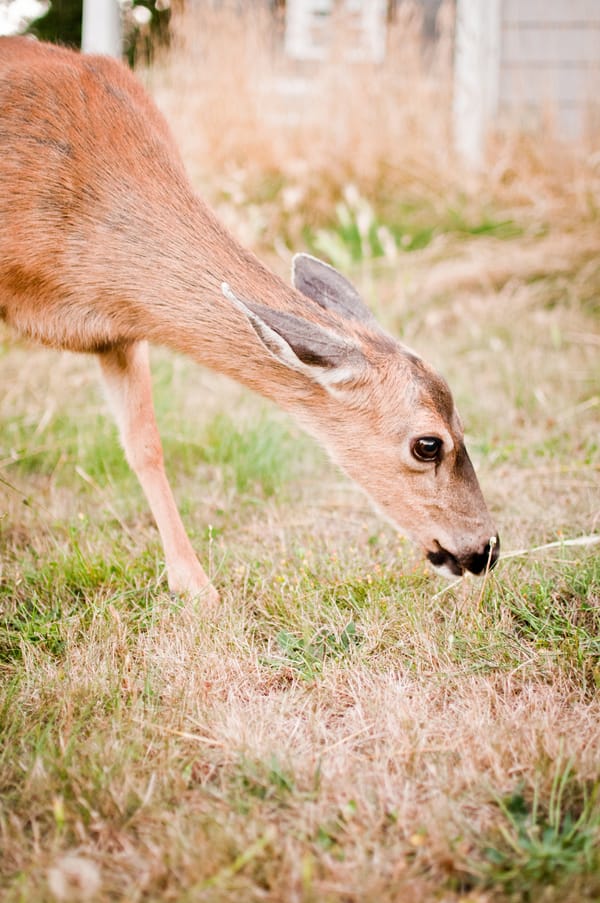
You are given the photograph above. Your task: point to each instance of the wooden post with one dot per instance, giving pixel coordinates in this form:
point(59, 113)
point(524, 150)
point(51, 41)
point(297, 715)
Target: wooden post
point(476, 74)
point(101, 27)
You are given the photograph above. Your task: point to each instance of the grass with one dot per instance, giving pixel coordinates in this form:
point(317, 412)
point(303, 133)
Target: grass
point(543, 847)
point(347, 727)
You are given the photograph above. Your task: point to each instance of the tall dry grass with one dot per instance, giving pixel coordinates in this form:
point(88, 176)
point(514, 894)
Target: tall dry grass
point(246, 132)
point(232, 98)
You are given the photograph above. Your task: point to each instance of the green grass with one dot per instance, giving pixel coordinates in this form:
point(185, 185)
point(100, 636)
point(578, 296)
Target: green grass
point(258, 457)
point(360, 232)
point(88, 441)
point(552, 844)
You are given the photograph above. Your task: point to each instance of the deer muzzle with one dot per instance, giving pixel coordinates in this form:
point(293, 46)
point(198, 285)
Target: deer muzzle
point(475, 562)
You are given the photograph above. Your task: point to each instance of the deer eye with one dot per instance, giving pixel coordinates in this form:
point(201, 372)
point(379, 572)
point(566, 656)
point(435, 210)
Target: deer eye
point(426, 448)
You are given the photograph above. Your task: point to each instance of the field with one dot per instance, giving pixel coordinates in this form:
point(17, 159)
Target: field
point(347, 727)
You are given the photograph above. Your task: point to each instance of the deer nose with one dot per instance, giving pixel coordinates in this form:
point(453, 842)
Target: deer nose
point(475, 562)
point(481, 561)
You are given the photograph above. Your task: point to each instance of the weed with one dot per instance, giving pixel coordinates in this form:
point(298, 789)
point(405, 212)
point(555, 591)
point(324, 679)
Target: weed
point(307, 655)
point(562, 616)
point(359, 234)
point(266, 781)
point(546, 846)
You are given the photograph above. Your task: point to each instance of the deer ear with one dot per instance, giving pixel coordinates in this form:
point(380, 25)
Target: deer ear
point(323, 284)
point(301, 345)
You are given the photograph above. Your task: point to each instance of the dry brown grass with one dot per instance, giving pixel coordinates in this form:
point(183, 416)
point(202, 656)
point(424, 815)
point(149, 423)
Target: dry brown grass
point(232, 783)
point(385, 128)
point(377, 126)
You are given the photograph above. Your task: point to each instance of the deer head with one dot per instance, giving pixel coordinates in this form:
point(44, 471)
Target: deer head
point(385, 416)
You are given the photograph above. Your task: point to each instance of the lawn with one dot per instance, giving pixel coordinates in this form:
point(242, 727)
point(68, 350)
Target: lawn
point(346, 727)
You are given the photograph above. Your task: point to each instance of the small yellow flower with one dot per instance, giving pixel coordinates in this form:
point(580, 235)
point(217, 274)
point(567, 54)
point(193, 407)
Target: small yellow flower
point(417, 840)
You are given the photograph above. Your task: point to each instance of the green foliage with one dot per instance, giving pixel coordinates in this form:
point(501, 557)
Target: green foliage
point(265, 781)
point(307, 655)
point(330, 835)
point(256, 458)
point(31, 624)
point(363, 231)
point(61, 24)
point(545, 846)
point(357, 234)
point(561, 614)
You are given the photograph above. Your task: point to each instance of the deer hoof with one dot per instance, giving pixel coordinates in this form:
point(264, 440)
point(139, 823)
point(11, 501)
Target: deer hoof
point(193, 585)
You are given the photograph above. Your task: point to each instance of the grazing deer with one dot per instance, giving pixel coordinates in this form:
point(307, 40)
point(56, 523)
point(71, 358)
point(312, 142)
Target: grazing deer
point(104, 248)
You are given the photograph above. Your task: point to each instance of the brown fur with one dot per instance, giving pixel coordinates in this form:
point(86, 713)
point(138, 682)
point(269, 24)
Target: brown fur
point(104, 246)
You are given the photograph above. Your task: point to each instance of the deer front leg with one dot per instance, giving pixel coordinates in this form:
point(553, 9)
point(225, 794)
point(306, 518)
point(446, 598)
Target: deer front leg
point(126, 374)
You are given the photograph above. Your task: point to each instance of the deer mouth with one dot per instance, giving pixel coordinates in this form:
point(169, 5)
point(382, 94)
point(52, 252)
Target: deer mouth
point(449, 565)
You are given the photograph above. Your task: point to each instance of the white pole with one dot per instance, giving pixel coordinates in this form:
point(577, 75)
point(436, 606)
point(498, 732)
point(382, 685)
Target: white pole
point(101, 27)
point(476, 74)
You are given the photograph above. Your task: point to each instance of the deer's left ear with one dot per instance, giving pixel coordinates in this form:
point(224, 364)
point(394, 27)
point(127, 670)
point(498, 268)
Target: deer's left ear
point(325, 357)
point(331, 290)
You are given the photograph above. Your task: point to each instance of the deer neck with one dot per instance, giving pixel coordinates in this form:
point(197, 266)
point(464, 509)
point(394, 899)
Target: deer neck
point(181, 305)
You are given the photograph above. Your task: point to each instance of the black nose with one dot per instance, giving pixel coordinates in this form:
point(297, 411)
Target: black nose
point(443, 559)
point(476, 562)
point(485, 560)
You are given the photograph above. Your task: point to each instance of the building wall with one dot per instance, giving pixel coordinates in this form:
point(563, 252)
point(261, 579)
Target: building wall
point(524, 62)
point(550, 61)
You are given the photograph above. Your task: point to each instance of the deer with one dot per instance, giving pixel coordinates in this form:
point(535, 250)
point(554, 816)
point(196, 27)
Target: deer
point(105, 249)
